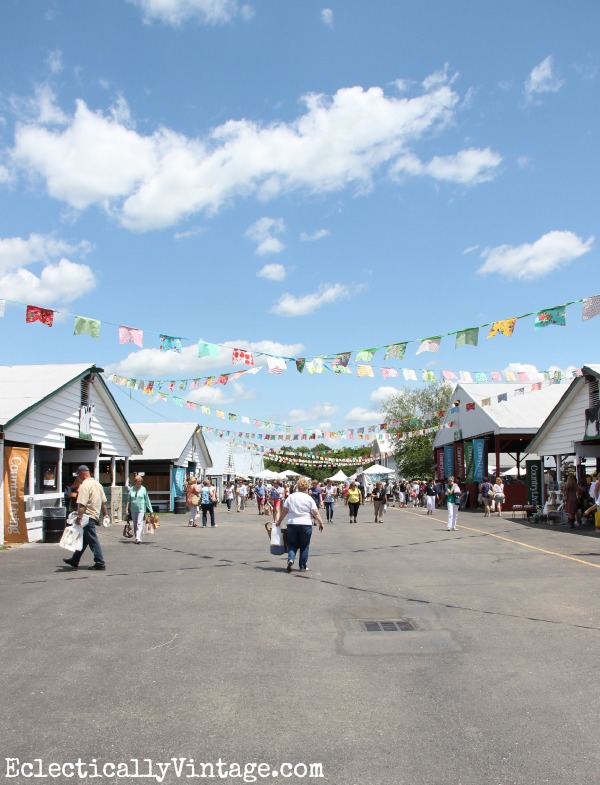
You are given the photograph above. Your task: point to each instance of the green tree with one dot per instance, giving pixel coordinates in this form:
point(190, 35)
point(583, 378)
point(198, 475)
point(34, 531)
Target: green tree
point(322, 461)
point(417, 409)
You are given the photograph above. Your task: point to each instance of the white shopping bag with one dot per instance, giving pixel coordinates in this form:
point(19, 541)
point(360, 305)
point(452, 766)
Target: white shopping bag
point(72, 538)
point(277, 547)
point(73, 517)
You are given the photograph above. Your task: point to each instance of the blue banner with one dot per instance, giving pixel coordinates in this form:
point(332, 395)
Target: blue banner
point(449, 460)
point(480, 469)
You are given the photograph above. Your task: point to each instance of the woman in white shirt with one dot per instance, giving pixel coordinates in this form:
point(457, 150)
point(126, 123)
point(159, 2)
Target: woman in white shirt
point(499, 497)
point(299, 510)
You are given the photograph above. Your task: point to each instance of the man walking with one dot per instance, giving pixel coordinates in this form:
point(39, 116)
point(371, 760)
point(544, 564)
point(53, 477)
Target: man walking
point(91, 501)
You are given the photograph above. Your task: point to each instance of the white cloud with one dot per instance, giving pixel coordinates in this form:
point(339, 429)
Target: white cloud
point(542, 79)
point(533, 260)
point(189, 233)
point(383, 394)
point(57, 283)
point(40, 109)
point(290, 305)
point(54, 61)
point(154, 181)
point(317, 411)
point(18, 252)
point(306, 237)
point(264, 233)
point(151, 363)
point(439, 78)
point(272, 272)
point(467, 167)
point(530, 370)
point(470, 249)
point(327, 17)
point(175, 12)
point(360, 416)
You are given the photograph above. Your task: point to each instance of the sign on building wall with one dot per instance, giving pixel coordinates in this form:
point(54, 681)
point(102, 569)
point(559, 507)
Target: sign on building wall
point(535, 483)
point(85, 421)
point(439, 454)
point(459, 460)
point(15, 474)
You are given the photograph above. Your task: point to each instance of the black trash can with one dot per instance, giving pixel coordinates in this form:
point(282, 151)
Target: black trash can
point(180, 507)
point(54, 520)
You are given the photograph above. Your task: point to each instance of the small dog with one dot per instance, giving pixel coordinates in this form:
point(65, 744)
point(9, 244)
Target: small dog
point(152, 522)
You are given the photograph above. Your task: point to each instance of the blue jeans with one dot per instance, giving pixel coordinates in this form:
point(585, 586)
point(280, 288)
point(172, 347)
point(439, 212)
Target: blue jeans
point(90, 539)
point(298, 538)
point(208, 508)
point(329, 510)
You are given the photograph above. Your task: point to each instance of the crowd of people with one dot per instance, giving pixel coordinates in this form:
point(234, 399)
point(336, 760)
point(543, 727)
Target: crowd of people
point(299, 504)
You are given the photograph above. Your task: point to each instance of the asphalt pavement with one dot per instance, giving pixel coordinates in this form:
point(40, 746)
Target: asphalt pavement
point(408, 655)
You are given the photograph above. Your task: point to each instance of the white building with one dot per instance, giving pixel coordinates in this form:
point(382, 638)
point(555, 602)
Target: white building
point(52, 419)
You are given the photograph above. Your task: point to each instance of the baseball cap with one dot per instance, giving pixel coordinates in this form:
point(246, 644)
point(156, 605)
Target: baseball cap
point(82, 468)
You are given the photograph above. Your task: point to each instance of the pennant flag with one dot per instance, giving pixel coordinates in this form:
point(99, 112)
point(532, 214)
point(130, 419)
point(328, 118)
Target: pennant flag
point(223, 379)
point(2, 308)
point(191, 405)
point(148, 388)
point(468, 337)
point(364, 370)
point(428, 375)
point(430, 345)
point(300, 363)
point(219, 413)
point(241, 356)
point(496, 376)
point(396, 350)
point(481, 377)
point(591, 307)
point(388, 373)
point(343, 358)
point(503, 327)
point(246, 420)
point(170, 344)
point(131, 335)
point(409, 374)
point(339, 369)
point(178, 401)
point(470, 407)
point(520, 391)
point(207, 349)
point(209, 381)
point(163, 396)
point(365, 355)
point(87, 326)
point(536, 386)
point(557, 316)
point(503, 397)
point(448, 375)
point(486, 401)
point(276, 364)
point(523, 377)
point(43, 315)
point(465, 376)
point(510, 376)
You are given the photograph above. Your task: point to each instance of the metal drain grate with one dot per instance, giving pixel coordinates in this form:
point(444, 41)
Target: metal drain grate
point(389, 625)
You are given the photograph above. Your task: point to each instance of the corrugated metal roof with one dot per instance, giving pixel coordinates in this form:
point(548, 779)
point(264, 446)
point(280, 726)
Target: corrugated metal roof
point(518, 414)
point(163, 441)
point(24, 386)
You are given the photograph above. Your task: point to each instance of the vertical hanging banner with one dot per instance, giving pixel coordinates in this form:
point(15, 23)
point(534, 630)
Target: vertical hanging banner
point(459, 460)
point(15, 473)
point(479, 460)
point(469, 461)
point(439, 455)
point(449, 460)
point(535, 483)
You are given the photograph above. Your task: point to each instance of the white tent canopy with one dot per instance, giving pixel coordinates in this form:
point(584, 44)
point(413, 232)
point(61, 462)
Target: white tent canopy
point(339, 476)
point(289, 473)
point(377, 468)
point(267, 474)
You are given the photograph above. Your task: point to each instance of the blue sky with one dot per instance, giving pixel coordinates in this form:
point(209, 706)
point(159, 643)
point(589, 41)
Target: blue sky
point(297, 178)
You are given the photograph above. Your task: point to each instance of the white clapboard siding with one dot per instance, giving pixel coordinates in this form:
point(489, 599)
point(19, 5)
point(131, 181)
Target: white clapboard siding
point(567, 426)
point(58, 416)
point(33, 513)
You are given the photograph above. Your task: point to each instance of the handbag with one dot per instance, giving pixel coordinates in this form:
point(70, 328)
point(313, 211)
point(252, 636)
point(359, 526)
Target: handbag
point(194, 499)
point(127, 529)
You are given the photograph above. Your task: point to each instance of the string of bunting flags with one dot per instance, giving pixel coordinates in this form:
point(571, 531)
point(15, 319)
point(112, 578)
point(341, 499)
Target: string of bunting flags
point(337, 362)
point(285, 432)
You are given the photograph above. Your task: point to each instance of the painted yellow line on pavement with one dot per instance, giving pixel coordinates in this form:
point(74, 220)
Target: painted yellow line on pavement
point(515, 542)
